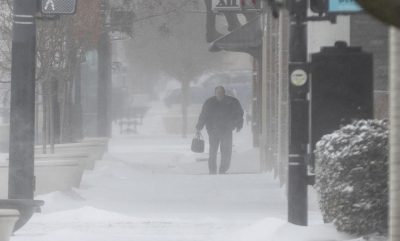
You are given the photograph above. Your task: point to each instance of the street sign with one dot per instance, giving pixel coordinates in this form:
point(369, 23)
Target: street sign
point(298, 77)
point(236, 5)
point(344, 6)
point(58, 7)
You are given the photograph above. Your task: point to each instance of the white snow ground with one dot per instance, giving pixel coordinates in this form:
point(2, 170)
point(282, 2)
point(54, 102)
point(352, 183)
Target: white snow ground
point(149, 187)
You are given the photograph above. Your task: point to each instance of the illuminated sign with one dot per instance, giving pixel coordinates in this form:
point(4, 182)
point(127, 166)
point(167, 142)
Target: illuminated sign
point(344, 6)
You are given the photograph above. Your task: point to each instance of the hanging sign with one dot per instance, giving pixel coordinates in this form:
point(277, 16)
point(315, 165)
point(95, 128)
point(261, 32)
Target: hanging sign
point(235, 5)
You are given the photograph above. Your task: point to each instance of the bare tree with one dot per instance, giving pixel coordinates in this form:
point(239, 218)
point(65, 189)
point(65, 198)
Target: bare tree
point(5, 42)
point(168, 40)
point(61, 43)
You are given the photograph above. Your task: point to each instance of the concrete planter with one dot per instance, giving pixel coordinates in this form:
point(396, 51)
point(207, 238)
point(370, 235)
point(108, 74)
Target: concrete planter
point(51, 176)
point(57, 175)
point(3, 180)
point(81, 158)
point(94, 150)
point(4, 137)
point(103, 141)
point(8, 219)
point(25, 207)
point(94, 139)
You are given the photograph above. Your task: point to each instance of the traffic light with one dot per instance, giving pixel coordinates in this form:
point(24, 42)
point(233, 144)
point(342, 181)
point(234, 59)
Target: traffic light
point(298, 7)
point(319, 6)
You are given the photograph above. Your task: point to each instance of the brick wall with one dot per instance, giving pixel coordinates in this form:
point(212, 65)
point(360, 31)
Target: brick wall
point(372, 35)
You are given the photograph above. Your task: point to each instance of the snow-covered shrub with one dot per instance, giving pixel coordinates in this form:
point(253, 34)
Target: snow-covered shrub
point(352, 177)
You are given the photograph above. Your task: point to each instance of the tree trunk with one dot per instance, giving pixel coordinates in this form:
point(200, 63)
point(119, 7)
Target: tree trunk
point(45, 99)
point(55, 111)
point(394, 231)
point(67, 126)
point(185, 104)
point(104, 51)
point(51, 114)
point(77, 126)
point(48, 127)
point(66, 119)
point(37, 116)
point(104, 83)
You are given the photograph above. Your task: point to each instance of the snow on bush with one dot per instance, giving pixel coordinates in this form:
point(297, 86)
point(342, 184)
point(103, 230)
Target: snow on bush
point(352, 177)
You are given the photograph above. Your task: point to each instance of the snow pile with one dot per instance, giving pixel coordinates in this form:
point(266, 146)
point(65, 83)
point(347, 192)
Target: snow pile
point(149, 187)
point(373, 237)
point(352, 176)
point(273, 229)
point(83, 216)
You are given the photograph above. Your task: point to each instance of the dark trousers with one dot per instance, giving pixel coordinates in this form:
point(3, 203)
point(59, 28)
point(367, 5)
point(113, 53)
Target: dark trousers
point(224, 141)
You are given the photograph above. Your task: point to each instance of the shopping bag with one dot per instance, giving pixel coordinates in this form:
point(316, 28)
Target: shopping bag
point(198, 143)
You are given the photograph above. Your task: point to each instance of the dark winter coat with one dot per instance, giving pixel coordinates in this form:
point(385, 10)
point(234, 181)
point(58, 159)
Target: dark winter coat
point(221, 116)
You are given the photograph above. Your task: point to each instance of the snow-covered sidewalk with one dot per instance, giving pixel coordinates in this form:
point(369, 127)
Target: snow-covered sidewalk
point(150, 187)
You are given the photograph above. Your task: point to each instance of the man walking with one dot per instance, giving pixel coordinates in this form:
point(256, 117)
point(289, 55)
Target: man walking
point(221, 114)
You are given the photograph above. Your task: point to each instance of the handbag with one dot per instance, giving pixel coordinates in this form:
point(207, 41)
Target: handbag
point(198, 143)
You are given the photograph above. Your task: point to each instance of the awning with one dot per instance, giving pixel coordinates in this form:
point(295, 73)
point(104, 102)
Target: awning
point(247, 38)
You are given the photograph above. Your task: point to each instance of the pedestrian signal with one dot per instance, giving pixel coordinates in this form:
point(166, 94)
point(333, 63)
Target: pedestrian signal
point(58, 7)
point(319, 6)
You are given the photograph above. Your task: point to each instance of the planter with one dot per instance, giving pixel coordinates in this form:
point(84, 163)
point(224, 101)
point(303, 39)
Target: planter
point(57, 175)
point(26, 208)
point(3, 180)
point(8, 219)
point(100, 140)
point(51, 176)
point(94, 150)
point(4, 137)
point(81, 158)
point(103, 140)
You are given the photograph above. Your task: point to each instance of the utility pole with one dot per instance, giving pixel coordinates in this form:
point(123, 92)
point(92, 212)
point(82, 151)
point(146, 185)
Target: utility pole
point(104, 81)
point(299, 114)
point(22, 113)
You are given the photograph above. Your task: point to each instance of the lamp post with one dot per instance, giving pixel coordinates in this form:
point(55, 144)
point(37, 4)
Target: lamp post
point(299, 118)
point(21, 185)
point(22, 114)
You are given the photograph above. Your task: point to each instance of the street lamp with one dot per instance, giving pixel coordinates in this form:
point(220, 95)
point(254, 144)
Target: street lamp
point(22, 112)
